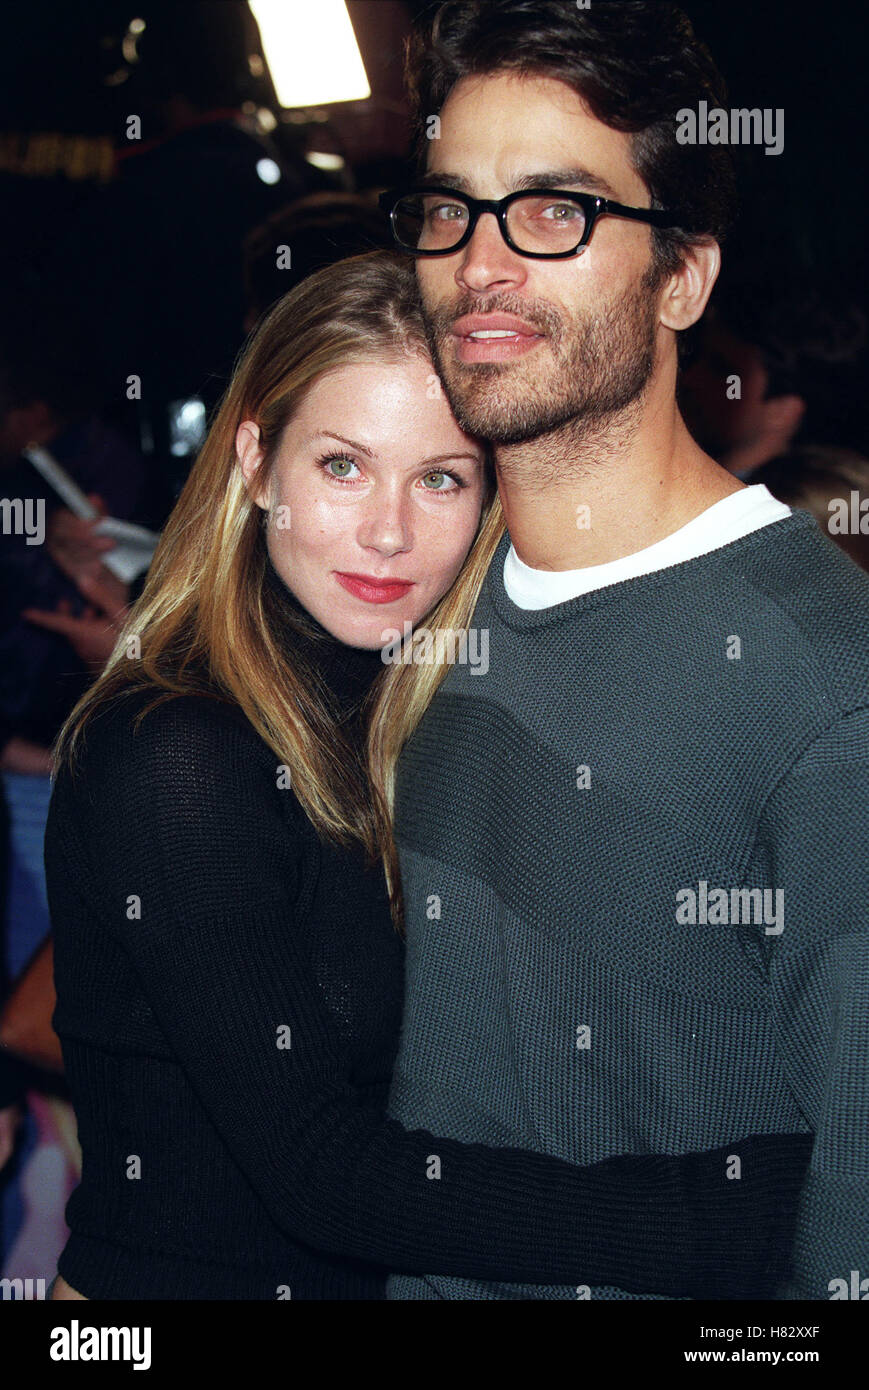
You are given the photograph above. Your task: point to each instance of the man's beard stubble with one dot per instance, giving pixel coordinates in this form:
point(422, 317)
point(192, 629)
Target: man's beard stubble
point(587, 377)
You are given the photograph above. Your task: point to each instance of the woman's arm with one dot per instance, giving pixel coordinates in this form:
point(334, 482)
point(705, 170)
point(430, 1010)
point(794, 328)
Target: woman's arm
point(330, 1167)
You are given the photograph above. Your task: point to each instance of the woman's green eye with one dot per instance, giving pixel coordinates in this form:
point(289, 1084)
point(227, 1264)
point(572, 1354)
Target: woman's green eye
point(439, 476)
point(343, 464)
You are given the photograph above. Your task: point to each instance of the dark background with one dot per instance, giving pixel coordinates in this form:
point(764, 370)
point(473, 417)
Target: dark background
point(806, 206)
point(140, 264)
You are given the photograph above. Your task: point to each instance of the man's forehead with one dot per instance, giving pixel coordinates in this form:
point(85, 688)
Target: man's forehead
point(502, 127)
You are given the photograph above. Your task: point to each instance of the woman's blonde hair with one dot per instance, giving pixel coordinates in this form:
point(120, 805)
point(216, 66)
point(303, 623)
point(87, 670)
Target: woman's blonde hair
point(207, 624)
point(404, 694)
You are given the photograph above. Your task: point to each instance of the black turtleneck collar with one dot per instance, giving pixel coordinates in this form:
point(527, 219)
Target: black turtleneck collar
point(347, 671)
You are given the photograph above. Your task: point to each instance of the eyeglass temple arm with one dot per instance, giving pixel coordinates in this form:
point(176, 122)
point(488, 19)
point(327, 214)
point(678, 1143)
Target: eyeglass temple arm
point(658, 217)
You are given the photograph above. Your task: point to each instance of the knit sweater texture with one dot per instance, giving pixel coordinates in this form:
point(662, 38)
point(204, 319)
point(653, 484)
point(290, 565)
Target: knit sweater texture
point(581, 977)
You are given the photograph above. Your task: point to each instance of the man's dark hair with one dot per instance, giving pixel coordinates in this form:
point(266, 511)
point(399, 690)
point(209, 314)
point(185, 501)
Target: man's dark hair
point(634, 63)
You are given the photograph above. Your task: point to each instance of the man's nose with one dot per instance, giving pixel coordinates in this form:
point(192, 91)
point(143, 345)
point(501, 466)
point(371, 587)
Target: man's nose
point(487, 259)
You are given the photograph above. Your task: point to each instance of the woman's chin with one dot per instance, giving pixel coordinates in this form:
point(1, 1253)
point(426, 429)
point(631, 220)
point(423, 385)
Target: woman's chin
point(374, 629)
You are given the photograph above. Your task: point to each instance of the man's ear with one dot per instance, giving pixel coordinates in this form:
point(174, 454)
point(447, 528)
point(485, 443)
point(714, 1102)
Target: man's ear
point(687, 291)
point(249, 454)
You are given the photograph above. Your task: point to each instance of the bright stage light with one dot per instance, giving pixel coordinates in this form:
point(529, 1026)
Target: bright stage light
point(311, 51)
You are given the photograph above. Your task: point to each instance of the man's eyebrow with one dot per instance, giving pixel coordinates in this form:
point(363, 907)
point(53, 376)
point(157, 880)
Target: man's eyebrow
point(573, 177)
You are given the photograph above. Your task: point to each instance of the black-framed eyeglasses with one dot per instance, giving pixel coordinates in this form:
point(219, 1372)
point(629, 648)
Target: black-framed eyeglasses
point(545, 223)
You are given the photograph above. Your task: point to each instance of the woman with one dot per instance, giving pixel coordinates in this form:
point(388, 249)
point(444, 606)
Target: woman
point(229, 981)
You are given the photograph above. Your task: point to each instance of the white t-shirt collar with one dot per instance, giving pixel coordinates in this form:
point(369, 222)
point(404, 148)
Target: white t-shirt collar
point(734, 516)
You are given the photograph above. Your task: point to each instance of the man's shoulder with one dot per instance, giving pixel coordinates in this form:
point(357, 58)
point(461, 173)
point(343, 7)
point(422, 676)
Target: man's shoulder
point(811, 599)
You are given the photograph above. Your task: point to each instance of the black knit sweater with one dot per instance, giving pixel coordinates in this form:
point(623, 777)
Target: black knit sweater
point(229, 1002)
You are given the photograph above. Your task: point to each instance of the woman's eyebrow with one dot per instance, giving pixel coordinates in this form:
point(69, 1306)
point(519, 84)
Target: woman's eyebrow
point(570, 177)
point(353, 444)
point(371, 453)
point(449, 458)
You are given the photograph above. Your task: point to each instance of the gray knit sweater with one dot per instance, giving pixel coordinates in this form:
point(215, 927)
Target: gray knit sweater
point(579, 827)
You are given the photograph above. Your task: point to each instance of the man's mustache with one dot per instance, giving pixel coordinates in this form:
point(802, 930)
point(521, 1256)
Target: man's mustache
point(540, 315)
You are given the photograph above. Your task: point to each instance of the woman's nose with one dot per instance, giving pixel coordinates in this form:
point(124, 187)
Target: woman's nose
point(387, 526)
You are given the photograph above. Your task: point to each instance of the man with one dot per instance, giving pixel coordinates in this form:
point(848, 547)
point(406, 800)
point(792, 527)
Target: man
point(634, 857)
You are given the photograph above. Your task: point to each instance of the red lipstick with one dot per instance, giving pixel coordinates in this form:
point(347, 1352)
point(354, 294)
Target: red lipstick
point(373, 590)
